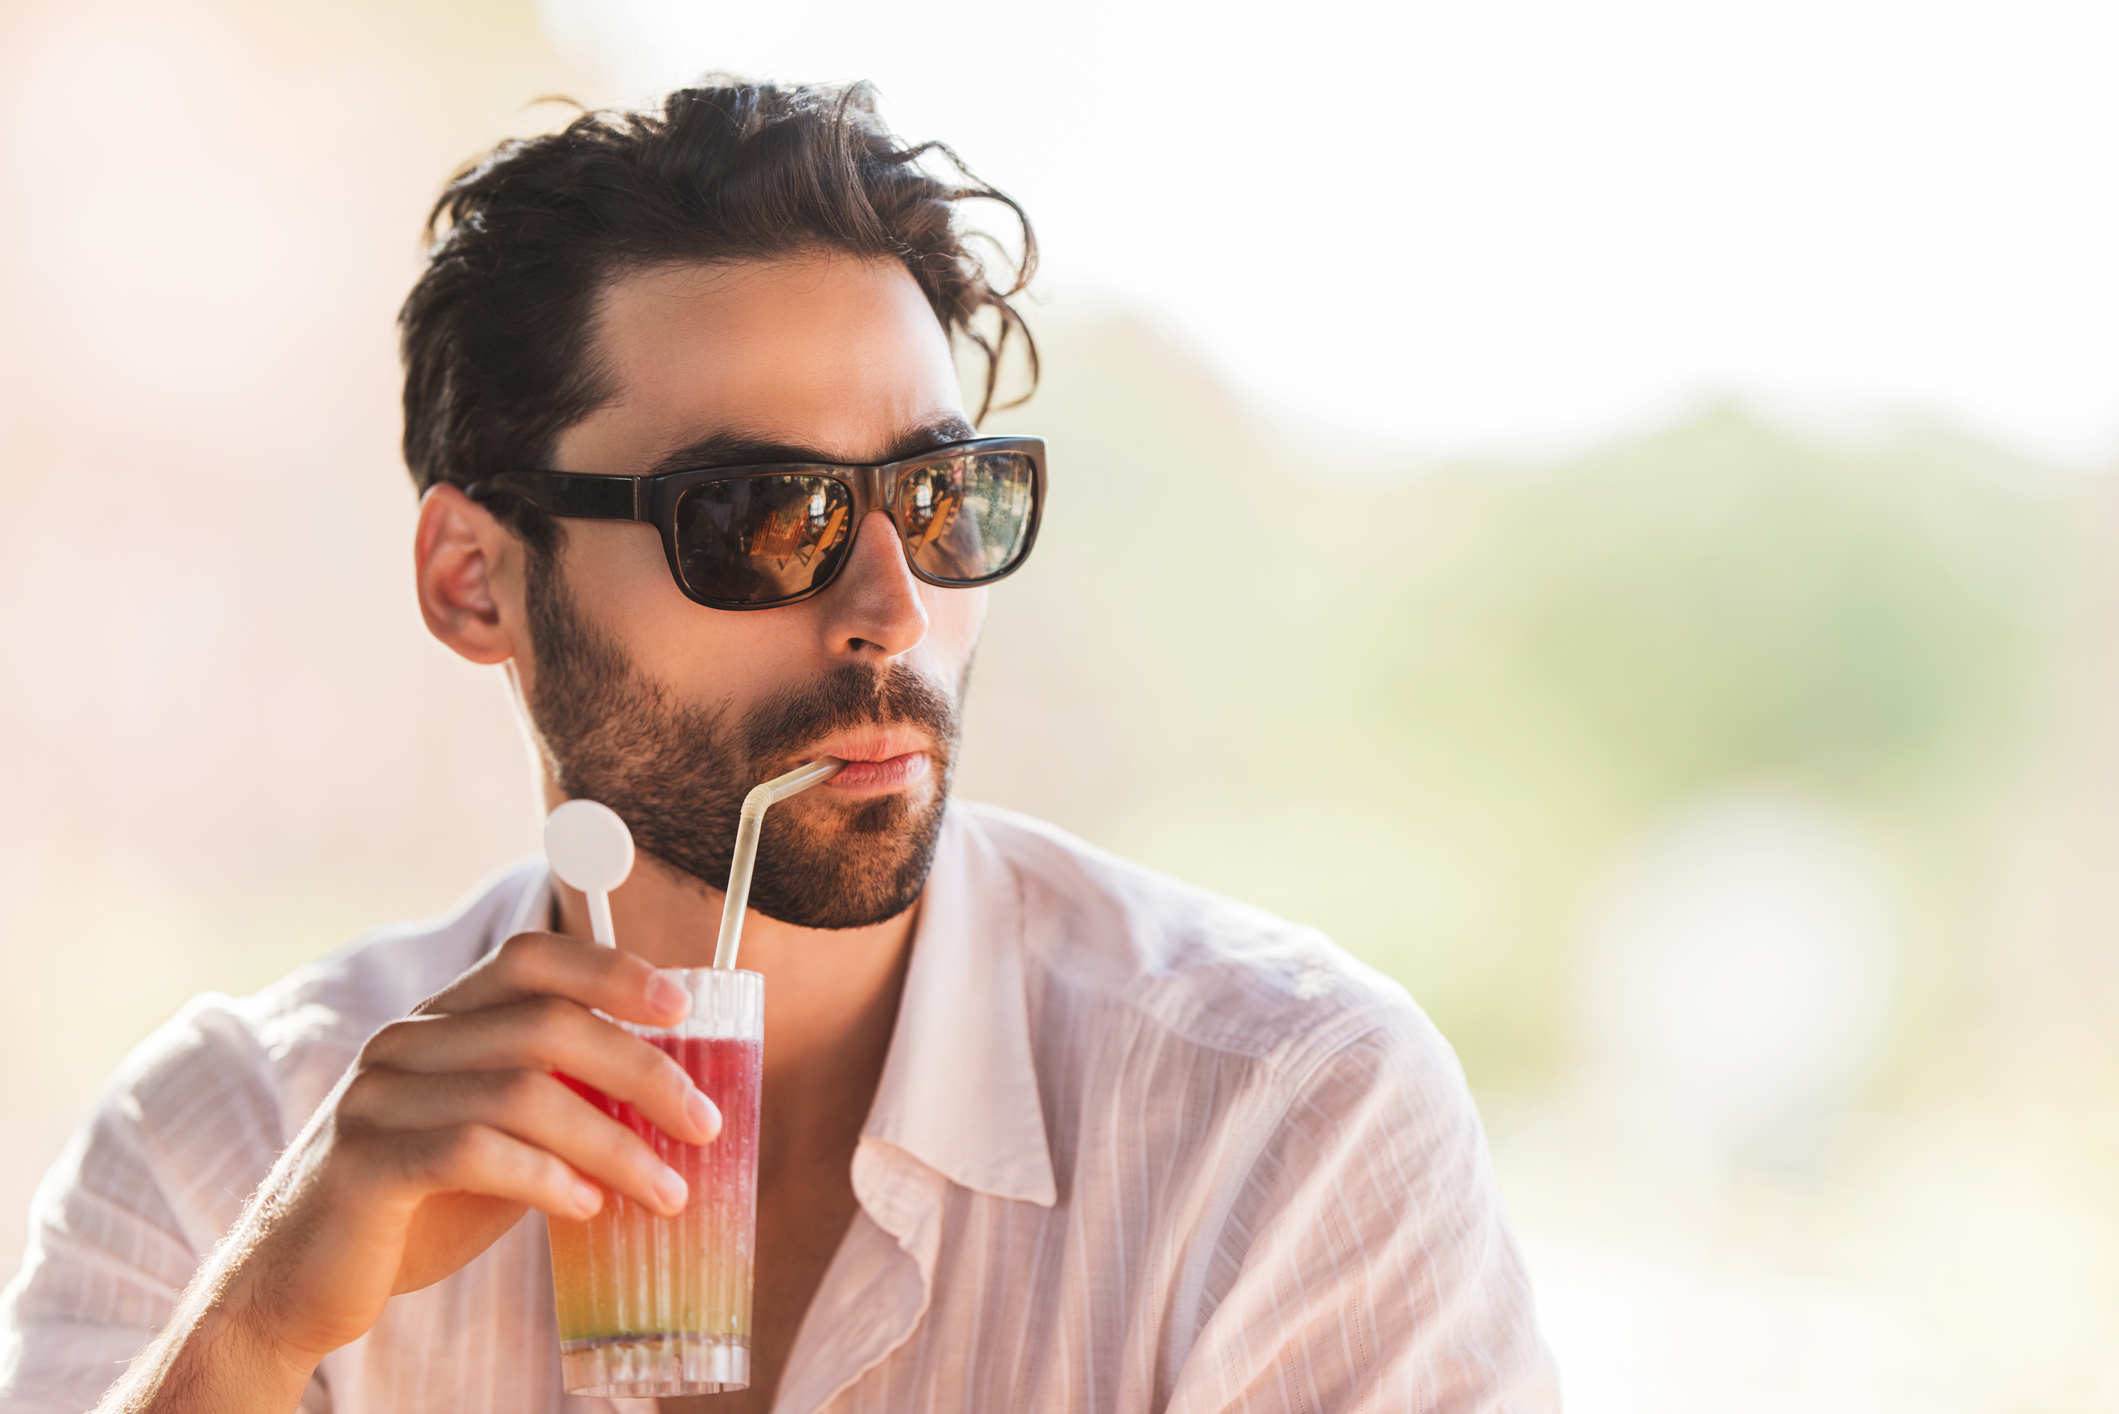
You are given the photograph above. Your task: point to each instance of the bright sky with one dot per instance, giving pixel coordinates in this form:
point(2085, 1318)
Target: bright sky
point(1524, 223)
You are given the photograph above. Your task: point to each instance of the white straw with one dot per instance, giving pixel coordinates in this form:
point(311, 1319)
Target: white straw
point(600, 918)
point(748, 825)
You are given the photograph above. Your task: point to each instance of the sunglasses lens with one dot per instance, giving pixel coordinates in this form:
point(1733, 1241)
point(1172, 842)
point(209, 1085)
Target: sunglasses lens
point(762, 539)
point(967, 518)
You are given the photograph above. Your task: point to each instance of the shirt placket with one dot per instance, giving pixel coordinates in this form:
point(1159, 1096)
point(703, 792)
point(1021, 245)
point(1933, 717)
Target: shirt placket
point(879, 1285)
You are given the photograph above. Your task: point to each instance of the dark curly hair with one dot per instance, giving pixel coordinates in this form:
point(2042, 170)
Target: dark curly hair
point(495, 334)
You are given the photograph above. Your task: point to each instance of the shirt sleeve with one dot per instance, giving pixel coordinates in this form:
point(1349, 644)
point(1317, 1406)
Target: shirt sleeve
point(1367, 1263)
point(141, 1194)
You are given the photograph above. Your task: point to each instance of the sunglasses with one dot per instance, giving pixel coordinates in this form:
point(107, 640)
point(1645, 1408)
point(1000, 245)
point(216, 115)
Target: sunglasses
point(757, 537)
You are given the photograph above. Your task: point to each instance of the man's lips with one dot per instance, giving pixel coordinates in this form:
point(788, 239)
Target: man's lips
point(877, 761)
point(892, 773)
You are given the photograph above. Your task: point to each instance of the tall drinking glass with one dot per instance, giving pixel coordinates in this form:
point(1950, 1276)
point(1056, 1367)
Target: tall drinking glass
point(652, 1306)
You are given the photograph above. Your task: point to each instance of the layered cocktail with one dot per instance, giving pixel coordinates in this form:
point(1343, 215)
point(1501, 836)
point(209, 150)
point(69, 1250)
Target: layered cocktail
point(648, 1305)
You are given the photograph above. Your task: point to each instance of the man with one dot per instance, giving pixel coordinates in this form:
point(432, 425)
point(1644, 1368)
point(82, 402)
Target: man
point(1040, 1129)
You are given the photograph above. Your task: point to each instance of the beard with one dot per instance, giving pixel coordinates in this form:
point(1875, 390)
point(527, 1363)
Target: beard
point(677, 773)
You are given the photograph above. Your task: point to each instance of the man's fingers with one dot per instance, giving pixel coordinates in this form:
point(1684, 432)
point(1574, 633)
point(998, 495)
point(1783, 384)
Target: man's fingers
point(476, 1158)
point(528, 1105)
point(550, 1034)
point(462, 1097)
point(534, 964)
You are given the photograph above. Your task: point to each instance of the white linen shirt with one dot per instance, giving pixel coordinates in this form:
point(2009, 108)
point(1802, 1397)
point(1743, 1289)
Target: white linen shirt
point(1135, 1148)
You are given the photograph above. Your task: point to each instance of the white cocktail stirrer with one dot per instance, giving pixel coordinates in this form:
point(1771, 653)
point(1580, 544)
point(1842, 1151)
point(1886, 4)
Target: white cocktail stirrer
point(748, 824)
point(589, 847)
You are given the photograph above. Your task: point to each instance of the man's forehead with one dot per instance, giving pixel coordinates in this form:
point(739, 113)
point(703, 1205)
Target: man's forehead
point(813, 357)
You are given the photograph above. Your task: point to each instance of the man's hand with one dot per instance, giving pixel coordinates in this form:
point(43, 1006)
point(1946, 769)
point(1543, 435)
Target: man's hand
point(447, 1128)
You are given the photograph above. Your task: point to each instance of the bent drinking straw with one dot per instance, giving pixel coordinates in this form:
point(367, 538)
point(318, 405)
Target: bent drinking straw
point(748, 825)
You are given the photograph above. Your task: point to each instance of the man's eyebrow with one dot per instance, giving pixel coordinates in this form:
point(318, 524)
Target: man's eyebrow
point(746, 449)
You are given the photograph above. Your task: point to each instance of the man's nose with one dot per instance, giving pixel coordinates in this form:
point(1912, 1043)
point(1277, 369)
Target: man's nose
point(873, 609)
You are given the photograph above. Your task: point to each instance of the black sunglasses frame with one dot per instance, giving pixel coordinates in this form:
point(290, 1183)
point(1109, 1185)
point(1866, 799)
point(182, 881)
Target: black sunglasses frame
point(580, 496)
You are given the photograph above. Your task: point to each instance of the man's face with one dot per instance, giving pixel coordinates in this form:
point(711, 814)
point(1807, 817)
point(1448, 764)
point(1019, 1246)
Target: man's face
point(669, 712)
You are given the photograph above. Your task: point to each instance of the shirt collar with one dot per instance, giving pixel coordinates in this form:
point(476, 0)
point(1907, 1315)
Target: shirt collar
point(533, 911)
point(959, 1090)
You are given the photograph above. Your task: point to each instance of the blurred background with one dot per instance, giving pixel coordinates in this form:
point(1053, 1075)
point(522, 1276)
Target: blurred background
point(1607, 508)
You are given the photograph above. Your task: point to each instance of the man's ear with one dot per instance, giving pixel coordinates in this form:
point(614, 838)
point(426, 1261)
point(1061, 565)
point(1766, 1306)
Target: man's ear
point(467, 566)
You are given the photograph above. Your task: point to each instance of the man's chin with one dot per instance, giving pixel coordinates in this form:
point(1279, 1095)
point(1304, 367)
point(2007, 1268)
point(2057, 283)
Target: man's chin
point(864, 863)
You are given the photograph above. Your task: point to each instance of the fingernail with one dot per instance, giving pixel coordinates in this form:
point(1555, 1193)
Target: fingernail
point(704, 1114)
point(666, 993)
point(587, 1196)
point(671, 1188)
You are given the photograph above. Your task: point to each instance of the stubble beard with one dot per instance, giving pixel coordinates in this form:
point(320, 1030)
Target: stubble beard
point(677, 772)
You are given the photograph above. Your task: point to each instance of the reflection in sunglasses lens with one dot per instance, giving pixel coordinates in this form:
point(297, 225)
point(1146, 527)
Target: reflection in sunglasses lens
point(758, 539)
point(967, 518)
